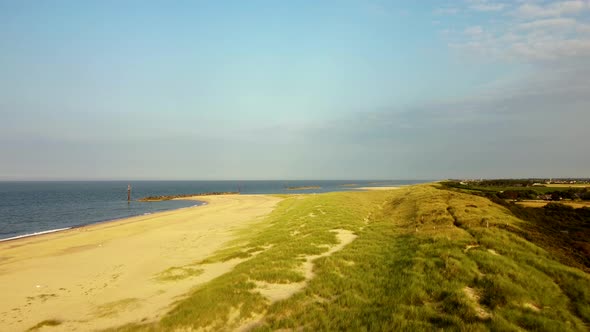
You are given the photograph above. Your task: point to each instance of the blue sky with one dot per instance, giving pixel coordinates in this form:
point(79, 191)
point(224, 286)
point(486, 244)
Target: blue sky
point(293, 89)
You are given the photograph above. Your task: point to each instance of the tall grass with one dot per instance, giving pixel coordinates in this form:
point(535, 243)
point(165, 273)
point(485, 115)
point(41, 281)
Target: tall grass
point(424, 259)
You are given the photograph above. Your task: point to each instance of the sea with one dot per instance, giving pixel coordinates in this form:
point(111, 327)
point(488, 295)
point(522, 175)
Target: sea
point(30, 208)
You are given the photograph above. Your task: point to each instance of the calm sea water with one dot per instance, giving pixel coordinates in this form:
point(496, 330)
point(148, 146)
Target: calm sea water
point(33, 207)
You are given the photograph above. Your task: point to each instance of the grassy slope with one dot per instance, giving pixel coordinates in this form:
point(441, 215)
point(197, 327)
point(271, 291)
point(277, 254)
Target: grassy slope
point(409, 269)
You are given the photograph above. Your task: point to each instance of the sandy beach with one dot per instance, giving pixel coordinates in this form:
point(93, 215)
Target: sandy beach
point(131, 270)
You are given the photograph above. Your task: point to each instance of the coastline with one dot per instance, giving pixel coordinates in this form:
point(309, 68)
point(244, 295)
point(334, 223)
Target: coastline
point(101, 275)
point(35, 234)
point(64, 229)
point(197, 198)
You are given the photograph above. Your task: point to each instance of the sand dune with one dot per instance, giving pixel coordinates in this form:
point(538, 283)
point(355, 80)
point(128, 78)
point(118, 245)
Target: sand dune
point(118, 272)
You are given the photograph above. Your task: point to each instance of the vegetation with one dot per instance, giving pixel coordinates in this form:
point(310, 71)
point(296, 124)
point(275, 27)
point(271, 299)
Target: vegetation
point(526, 182)
point(561, 229)
point(423, 259)
point(178, 273)
point(515, 190)
point(558, 228)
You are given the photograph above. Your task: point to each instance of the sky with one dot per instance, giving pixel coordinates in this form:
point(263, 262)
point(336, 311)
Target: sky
point(348, 89)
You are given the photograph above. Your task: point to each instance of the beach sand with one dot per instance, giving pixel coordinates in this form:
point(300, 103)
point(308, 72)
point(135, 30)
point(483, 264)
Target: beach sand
point(110, 274)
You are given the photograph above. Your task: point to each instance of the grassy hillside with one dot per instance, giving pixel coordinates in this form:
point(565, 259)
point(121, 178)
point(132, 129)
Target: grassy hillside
point(422, 259)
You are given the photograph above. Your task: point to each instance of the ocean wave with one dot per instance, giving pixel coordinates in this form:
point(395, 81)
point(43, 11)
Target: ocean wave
point(35, 234)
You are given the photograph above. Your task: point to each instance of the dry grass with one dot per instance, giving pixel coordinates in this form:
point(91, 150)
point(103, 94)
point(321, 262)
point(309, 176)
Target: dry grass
point(538, 203)
point(574, 185)
point(423, 259)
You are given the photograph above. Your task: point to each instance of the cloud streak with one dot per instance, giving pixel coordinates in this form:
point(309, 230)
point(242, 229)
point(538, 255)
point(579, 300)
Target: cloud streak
point(533, 127)
point(486, 6)
point(533, 10)
point(531, 31)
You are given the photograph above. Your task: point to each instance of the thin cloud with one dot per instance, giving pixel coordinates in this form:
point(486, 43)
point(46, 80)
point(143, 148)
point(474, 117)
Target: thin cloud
point(530, 32)
point(550, 23)
point(473, 31)
point(507, 127)
point(485, 6)
point(446, 11)
point(552, 9)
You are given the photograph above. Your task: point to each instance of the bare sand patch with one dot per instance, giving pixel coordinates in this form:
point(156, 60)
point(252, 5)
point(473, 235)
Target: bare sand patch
point(105, 275)
point(474, 297)
point(378, 188)
point(532, 307)
point(539, 203)
point(493, 252)
point(470, 246)
point(277, 292)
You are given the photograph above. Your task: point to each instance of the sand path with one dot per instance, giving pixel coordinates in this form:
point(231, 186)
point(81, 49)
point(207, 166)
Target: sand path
point(107, 275)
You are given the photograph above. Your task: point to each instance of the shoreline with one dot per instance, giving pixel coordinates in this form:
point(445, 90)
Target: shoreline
point(197, 198)
point(106, 274)
point(35, 234)
point(74, 227)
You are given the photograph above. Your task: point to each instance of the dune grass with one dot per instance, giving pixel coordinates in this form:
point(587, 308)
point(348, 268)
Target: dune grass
point(414, 263)
point(178, 273)
point(424, 259)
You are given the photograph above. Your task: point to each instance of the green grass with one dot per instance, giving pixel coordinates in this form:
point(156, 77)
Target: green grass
point(519, 193)
point(469, 188)
point(408, 280)
point(113, 308)
point(558, 228)
point(178, 273)
point(412, 267)
point(538, 189)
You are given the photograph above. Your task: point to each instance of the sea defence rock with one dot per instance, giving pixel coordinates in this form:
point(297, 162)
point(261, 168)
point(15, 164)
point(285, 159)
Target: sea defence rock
point(169, 197)
point(304, 188)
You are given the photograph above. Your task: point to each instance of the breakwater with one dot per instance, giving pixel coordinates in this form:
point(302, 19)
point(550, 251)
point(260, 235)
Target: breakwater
point(169, 197)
